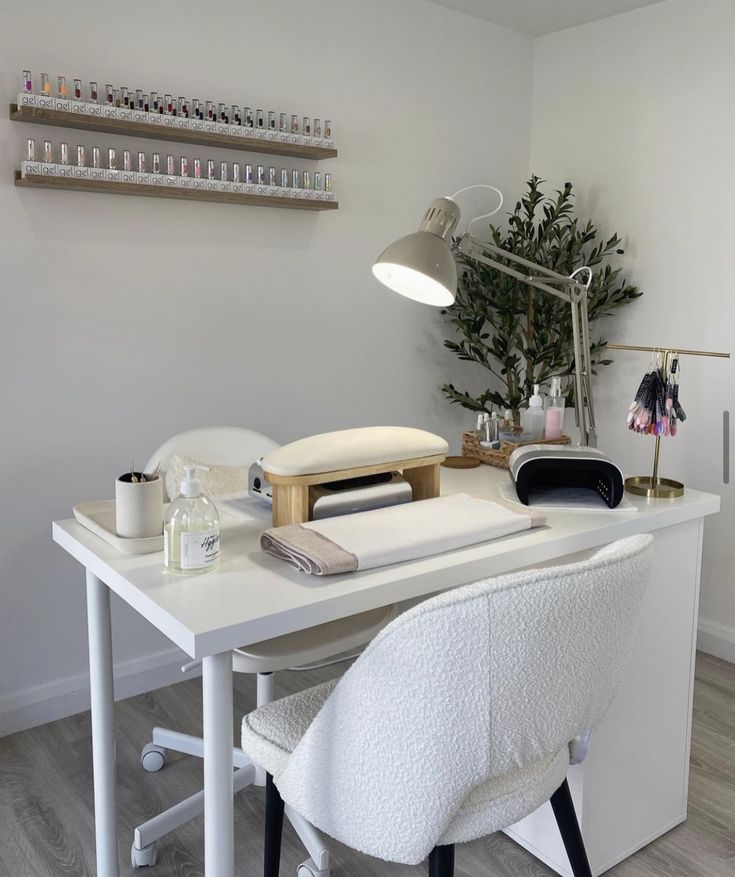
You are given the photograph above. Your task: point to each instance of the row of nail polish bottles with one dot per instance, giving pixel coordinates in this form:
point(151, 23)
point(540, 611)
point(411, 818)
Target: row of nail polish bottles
point(135, 105)
point(223, 176)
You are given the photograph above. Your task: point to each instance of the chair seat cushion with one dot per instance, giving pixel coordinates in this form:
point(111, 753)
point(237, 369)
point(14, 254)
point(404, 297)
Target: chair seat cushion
point(272, 732)
point(312, 644)
point(352, 449)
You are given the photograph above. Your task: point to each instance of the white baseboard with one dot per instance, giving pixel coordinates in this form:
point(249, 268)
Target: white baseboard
point(30, 707)
point(716, 639)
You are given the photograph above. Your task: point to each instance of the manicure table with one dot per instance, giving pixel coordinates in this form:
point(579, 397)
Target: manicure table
point(631, 788)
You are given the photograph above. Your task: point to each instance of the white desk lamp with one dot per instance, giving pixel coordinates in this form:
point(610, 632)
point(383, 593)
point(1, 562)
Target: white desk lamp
point(422, 266)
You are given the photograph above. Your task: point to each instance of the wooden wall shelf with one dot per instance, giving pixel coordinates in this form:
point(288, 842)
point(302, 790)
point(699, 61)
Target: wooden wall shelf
point(62, 119)
point(114, 188)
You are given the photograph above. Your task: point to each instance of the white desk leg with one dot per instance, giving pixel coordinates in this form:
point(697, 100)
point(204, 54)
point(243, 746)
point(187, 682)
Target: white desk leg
point(219, 828)
point(103, 725)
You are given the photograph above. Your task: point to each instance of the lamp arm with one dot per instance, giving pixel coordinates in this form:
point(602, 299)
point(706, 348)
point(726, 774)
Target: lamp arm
point(574, 293)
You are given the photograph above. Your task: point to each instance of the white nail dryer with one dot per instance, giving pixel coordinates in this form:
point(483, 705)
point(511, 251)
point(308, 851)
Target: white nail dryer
point(536, 468)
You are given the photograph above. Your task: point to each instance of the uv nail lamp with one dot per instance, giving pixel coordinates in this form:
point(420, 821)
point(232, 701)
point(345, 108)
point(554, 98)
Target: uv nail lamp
point(538, 469)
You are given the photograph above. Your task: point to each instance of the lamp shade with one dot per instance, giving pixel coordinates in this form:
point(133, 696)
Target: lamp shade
point(420, 266)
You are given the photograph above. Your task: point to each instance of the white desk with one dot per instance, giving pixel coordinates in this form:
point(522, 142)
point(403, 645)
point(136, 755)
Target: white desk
point(632, 787)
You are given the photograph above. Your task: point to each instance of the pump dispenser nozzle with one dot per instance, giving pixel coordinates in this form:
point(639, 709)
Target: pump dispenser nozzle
point(190, 484)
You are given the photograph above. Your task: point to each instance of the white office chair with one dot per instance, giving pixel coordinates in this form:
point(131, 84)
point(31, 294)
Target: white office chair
point(234, 446)
point(459, 718)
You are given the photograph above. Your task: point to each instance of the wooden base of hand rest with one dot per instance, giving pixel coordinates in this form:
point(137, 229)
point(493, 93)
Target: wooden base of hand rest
point(293, 500)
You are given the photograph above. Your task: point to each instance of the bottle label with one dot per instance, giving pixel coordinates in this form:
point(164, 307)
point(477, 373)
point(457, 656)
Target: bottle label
point(199, 550)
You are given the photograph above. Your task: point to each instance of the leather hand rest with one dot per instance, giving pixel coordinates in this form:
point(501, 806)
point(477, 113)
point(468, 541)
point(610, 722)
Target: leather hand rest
point(353, 448)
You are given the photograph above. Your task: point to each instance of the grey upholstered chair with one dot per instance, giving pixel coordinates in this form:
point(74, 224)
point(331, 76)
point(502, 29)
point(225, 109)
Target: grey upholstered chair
point(459, 718)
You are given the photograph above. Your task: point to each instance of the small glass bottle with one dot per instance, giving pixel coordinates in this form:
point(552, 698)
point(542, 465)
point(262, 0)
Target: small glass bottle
point(168, 105)
point(141, 163)
point(112, 158)
point(81, 156)
point(261, 175)
point(317, 181)
point(210, 169)
point(95, 157)
point(221, 113)
point(283, 123)
point(138, 98)
point(45, 85)
point(170, 165)
point(306, 127)
point(248, 173)
point(271, 176)
point(555, 402)
point(248, 117)
point(235, 172)
point(307, 179)
point(294, 124)
point(259, 120)
point(317, 127)
point(127, 164)
point(125, 96)
point(184, 166)
point(191, 529)
point(30, 149)
point(77, 94)
point(284, 177)
point(63, 153)
point(327, 129)
point(197, 168)
point(235, 118)
point(48, 151)
point(209, 110)
point(156, 162)
point(109, 94)
point(295, 184)
point(61, 88)
point(271, 120)
point(223, 175)
point(93, 92)
point(327, 182)
point(27, 82)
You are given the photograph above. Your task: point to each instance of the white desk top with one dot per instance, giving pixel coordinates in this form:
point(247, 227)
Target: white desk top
point(253, 597)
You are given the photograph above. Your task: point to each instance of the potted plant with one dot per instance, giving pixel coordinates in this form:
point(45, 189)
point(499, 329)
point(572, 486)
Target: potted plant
point(523, 336)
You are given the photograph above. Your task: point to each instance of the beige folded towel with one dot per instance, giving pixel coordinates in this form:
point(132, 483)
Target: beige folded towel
point(391, 535)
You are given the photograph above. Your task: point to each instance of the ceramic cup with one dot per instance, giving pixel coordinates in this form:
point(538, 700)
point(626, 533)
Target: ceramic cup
point(138, 507)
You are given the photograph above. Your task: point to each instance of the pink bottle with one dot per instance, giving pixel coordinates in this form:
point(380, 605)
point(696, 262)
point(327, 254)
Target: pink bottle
point(554, 424)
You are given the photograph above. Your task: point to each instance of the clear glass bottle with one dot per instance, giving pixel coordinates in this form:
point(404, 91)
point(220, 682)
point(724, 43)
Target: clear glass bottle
point(534, 418)
point(191, 529)
point(554, 423)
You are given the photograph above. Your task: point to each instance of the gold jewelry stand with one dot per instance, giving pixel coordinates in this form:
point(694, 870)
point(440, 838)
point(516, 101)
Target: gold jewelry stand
point(652, 486)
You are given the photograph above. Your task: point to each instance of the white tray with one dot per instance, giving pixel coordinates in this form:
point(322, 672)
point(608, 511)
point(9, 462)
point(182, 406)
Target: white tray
point(99, 518)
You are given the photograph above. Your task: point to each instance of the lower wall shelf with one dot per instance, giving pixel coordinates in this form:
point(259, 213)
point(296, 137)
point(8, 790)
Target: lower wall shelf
point(35, 181)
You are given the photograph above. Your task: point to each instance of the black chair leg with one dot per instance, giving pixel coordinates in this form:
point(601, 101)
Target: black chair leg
point(566, 819)
point(273, 828)
point(441, 861)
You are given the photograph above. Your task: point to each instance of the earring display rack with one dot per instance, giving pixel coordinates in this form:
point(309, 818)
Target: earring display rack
point(184, 131)
point(36, 181)
point(653, 486)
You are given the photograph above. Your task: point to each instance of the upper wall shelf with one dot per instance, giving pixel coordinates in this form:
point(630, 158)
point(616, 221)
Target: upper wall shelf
point(62, 119)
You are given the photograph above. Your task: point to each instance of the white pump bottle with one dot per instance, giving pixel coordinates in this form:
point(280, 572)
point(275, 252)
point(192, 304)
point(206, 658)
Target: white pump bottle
point(533, 420)
point(191, 528)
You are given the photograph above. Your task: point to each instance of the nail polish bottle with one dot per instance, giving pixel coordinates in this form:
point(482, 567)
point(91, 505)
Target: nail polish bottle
point(154, 102)
point(48, 152)
point(307, 180)
point(30, 149)
point(116, 98)
point(27, 82)
point(183, 109)
point(196, 108)
point(170, 165)
point(271, 120)
point(261, 175)
point(235, 172)
point(306, 127)
point(81, 168)
point(156, 163)
point(125, 96)
point(317, 181)
point(210, 169)
point(223, 174)
point(138, 98)
point(209, 110)
point(29, 165)
point(317, 128)
point(141, 163)
point(77, 89)
point(184, 166)
point(248, 174)
point(248, 117)
point(45, 85)
point(108, 94)
point(221, 113)
point(328, 185)
point(283, 123)
point(295, 184)
point(97, 172)
point(294, 124)
point(271, 176)
point(197, 168)
point(259, 119)
point(284, 177)
point(111, 159)
point(127, 165)
point(61, 90)
point(168, 103)
point(93, 92)
point(235, 118)
point(327, 129)
point(95, 156)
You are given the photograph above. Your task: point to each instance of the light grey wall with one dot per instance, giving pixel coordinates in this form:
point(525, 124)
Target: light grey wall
point(126, 320)
point(635, 110)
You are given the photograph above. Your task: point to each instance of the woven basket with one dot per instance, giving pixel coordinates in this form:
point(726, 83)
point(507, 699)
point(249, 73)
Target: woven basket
point(501, 457)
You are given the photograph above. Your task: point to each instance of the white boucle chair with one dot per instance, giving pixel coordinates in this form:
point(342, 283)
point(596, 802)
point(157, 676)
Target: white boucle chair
point(235, 446)
point(459, 718)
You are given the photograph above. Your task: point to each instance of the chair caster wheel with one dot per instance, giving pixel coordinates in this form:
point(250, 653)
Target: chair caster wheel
point(309, 869)
point(145, 858)
point(152, 758)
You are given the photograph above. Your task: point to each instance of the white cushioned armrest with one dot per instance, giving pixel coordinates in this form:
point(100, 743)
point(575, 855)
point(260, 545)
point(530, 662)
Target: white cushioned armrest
point(353, 448)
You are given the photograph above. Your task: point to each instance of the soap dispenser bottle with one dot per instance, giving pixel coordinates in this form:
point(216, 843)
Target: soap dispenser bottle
point(534, 419)
point(191, 529)
point(554, 411)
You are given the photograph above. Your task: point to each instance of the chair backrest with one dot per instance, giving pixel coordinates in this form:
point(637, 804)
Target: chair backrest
point(468, 686)
point(215, 445)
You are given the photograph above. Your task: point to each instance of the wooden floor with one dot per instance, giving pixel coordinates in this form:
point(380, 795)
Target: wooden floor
point(46, 822)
